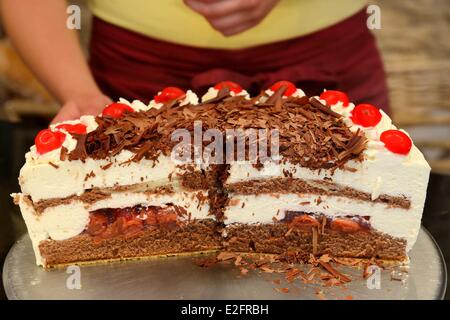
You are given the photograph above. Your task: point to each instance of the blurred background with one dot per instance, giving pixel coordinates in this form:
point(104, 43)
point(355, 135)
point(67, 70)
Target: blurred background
point(414, 42)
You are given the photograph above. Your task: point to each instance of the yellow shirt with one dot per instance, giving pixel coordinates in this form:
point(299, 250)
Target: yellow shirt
point(173, 21)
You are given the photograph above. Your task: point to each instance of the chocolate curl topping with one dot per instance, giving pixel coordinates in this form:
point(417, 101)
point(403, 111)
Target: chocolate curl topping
point(310, 134)
point(317, 104)
point(277, 95)
point(223, 93)
point(354, 146)
point(80, 149)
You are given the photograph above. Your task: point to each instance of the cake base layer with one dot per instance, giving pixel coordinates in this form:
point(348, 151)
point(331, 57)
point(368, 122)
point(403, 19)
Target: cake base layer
point(280, 238)
point(195, 236)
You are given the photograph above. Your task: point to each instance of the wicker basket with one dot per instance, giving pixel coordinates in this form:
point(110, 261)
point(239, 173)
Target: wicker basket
point(414, 43)
point(420, 99)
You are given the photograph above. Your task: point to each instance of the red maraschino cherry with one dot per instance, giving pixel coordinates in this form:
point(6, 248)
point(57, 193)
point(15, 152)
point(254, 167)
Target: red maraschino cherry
point(48, 140)
point(332, 97)
point(116, 110)
point(169, 94)
point(396, 141)
point(78, 128)
point(232, 86)
point(366, 115)
point(291, 88)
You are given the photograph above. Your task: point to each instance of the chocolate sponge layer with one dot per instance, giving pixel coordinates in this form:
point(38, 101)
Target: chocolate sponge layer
point(279, 238)
point(196, 236)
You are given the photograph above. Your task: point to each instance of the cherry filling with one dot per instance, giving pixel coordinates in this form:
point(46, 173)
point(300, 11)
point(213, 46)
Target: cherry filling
point(109, 223)
point(306, 221)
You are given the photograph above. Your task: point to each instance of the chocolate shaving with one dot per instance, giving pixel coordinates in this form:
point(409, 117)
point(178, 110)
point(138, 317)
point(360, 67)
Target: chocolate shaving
point(106, 166)
point(334, 272)
point(315, 240)
point(53, 165)
point(64, 154)
point(80, 149)
point(324, 223)
point(223, 256)
point(316, 103)
point(307, 114)
point(282, 290)
point(223, 93)
point(277, 95)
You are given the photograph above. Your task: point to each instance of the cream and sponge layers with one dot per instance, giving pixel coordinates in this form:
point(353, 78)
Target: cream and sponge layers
point(67, 220)
point(381, 173)
point(267, 208)
point(60, 179)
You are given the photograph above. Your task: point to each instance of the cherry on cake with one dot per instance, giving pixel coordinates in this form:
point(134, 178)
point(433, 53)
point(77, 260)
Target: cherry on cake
point(344, 181)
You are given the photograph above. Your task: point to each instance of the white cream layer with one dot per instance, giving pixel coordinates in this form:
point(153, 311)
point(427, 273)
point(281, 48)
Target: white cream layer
point(69, 220)
point(262, 208)
point(37, 178)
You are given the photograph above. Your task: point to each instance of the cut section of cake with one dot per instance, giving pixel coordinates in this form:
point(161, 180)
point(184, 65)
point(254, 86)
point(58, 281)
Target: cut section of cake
point(334, 178)
point(349, 184)
point(95, 196)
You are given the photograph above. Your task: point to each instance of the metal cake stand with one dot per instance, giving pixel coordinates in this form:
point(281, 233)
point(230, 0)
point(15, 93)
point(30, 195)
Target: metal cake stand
point(181, 278)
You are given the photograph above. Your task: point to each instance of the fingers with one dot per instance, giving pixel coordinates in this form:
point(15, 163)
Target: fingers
point(96, 105)
point(239, 28)
point(220, 8)
point(69, 111)
point(88, 105)
point(231, 17)
point(230, 22)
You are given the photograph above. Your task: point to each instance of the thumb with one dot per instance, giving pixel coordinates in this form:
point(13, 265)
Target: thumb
point(69, 111)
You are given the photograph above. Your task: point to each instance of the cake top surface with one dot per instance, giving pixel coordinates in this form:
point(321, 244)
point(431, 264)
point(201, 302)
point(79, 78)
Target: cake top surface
point(316, 132)
point(310, 133)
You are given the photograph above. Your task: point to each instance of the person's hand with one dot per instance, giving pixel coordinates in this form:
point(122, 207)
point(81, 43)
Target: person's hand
point(231, 17)
point(92, 104)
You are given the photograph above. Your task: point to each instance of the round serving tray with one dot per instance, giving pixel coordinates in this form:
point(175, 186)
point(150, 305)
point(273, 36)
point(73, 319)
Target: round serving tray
point(182, 278)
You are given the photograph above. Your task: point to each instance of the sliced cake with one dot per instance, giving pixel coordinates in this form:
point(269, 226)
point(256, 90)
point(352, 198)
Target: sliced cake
point(334, 178)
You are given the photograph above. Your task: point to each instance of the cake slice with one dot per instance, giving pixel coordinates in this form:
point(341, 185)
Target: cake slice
point(337, 179)
point(108, 190)
point(349, 185)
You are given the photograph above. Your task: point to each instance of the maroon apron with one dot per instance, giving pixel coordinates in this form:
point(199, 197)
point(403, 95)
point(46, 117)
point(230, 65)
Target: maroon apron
point(343, 57)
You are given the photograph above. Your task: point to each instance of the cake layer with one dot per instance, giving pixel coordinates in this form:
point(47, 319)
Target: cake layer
point(282, 238)
point(196, 236)
point(315, 187)
point(75, 177)
point(265, 208)
point(95, 195)
point(69, 219)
